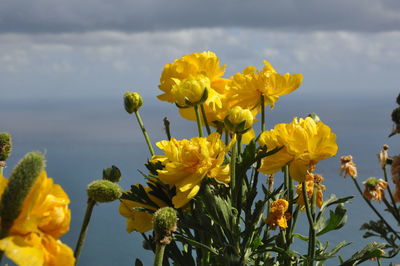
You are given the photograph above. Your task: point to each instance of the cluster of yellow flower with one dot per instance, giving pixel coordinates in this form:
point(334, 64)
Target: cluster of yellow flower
point(230, 105)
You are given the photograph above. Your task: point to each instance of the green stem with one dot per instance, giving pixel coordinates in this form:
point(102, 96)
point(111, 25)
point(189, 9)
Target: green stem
point(1, 170)
point(146, 136)
point(289, 196)
point(391, 195)
point(167, 128)
point(262, 114)
point(239, 183)
point(313, 211)
point(84, 229)
point(373, 208)
point(198, 120)
point(203, 113)
point(310, 220)
point(158, 259)
point(233, 173)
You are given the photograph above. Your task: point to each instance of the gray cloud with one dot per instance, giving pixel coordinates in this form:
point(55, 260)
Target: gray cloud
point(55, 16)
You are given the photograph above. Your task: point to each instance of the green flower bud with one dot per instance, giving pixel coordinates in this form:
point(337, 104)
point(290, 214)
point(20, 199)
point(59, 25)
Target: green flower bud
point(164, 224)
point(112, 174)
point(239, 120)
point(104, 191)
point(5, 146)
point(22, 178)
point(191, 91)
point(132, 101)
point(371, 182)
point(315, 117)
point(396, 115)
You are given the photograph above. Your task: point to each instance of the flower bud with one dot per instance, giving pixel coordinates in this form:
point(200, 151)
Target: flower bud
point(112, 174)
point(22, 178)
point(165, 223)
point(396, 115)
point(5, 146)
point(191, 91)
point(239, 120)
point(104, 191)
point(383, 156)
point(315, 117)
point(132, 101)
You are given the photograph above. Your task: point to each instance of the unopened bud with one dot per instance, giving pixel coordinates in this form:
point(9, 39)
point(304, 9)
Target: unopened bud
point(5, 146)
point(315, 117)
point(164, 224)
point(112, 174)
point(239, 120)
point(191, 91)
point(104, 191)
point(132, 101)
point(22, 178)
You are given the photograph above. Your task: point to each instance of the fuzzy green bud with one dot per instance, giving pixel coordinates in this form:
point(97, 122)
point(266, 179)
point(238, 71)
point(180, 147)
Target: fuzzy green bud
point(132, 101)
point(5, 146)
point(396, 115)
point(22, 178)
point(164, 224)
point(112, 174)
point(104, 191)
point(371, 182)
point(239, 120)
point(315, 117)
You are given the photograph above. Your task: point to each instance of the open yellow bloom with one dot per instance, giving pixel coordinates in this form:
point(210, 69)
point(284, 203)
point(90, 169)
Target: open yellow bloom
point(277, 215)
point(200, 66)
point(311, 181)
point(33, 238)
point(248, 87)
point(304, 142)
point(187, 162)
point(140, 220)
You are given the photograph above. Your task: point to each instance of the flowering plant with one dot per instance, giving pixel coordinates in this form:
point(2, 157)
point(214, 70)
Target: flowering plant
point(232, 195)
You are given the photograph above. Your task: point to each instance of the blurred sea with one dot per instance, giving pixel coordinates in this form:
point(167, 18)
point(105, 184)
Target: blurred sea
point(81, 137)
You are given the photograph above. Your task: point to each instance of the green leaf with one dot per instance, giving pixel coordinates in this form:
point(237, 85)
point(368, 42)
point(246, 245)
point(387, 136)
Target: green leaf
point(334, 200)
point(194, 243)
point(336, 220)
point(301, 237)
point(371, 250)
point(326, 255)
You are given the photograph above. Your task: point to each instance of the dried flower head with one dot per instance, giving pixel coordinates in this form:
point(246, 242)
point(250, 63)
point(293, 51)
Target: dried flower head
point(374, 188)
point(277, 215)
point(383, 156)
point(348, 167)
point(312, 181)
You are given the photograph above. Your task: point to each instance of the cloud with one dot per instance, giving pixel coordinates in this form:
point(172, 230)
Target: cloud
point(55, 16)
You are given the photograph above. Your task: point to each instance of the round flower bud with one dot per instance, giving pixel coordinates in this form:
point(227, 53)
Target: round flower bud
point(164, 224)
point(191, 91)
point(112, 174)
point(104, 191)
point(5, 146)
point(239, 120)
point(132, 101)
point(396, 115)
point(315, 117)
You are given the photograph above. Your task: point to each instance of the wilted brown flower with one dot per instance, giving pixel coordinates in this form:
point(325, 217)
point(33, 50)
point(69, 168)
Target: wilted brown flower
point(348, 167)
point(312, 181)
point(374, 188)
point(383, 156)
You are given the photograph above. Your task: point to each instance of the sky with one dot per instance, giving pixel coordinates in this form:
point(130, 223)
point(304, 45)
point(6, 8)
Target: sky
point(64, 66)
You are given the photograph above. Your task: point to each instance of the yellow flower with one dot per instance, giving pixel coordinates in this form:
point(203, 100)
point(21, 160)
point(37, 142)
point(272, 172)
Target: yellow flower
point(198, 65)
point(33, 238)
point(311, 180)
point(248, 87)
point(187, 162)
point(348, 167)
point(374, 188)
point(239, 120)
point(140, 220)
point(304, 142)
point(190, 91)
point(277, 215)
